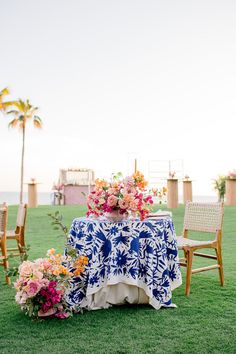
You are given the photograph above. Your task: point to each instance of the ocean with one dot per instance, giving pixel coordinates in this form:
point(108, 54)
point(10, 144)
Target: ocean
point(12, 198)
point(45, 198)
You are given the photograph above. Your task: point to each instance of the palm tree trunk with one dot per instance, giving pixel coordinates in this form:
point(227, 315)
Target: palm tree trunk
point(22, 164)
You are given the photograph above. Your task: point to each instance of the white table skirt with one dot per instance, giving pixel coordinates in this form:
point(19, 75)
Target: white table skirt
point(117, 294)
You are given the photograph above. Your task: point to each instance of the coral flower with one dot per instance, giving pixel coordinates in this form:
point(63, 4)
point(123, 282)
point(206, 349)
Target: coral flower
point(51, 252)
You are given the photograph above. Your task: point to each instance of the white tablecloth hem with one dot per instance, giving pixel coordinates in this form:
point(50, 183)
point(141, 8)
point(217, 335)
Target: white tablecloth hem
point(107, 295)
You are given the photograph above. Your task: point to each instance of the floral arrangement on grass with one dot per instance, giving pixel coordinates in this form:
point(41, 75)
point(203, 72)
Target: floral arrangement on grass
point(42, 284)
point(125, 195)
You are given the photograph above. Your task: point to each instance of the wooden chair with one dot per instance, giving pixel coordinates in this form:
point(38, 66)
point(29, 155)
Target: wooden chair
point(3, 246)
point(201, 217)
point(19, 233)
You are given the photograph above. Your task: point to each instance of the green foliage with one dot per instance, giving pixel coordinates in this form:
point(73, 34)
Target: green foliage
point(13, 271)
point(219, 186)
point(57, 222)
point(116, 176)
point(3, 103)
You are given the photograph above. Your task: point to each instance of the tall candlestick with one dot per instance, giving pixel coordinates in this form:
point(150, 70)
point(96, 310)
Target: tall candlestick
point(135, 165)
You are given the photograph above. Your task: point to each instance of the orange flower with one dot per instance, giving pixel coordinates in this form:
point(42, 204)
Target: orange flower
point(78, 271)
point(140, 180)
point(61, 270)
point(82, 260)
point(51, 252)
point(100, 183)
point(79, 265)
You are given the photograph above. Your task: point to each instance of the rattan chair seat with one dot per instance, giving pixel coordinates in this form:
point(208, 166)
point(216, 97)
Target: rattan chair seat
point(185, 242)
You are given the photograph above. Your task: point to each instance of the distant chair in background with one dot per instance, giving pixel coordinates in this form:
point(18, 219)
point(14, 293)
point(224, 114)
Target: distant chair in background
point(201, 217)
point(19, 233)
point(3, 246)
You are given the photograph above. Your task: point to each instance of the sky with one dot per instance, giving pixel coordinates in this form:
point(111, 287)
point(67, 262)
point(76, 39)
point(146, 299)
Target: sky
point(117, 80)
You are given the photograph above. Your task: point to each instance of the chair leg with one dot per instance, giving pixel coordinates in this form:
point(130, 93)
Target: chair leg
point(189, 257)
point(219, 260)
point(185, 254)
point(21, 244)
point(21, 249)
point(8, 280)
point(5, 264)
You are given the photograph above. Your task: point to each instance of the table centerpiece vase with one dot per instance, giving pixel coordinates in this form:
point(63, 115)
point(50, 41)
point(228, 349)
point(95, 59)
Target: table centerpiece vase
point(115, 216)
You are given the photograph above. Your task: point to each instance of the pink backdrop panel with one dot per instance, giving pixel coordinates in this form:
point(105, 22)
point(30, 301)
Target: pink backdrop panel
point(74, 194)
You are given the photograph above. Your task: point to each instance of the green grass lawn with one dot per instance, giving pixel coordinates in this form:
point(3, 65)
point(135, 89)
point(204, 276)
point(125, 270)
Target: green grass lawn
point(205, 322)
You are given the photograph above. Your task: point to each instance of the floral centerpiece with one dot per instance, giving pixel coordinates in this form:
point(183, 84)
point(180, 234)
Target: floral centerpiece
point(172, 175)
point(231, 175)
point(219, 186)
point(124, 196)
point(186, 178)
point(58, 190)
point(42, 284)
point(159, 194)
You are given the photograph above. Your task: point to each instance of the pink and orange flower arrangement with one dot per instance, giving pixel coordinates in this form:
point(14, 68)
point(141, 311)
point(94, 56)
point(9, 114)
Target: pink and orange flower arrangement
point(159, 194)
point(232, 175)
point(42, 284)
point(124, 195)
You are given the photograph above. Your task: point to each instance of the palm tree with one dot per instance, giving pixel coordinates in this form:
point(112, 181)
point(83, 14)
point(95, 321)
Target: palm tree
point(4, 104)
point(23, 112)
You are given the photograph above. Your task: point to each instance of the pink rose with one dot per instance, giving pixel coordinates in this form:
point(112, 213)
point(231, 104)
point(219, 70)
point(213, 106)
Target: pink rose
point(134, 205)
point(44, 282)
point(46, 265)
point(112, 191)
point(123, 204)
point(129, 182)
point(128, 197)
point(25, 269)
point(112, 201)
point(33, 288)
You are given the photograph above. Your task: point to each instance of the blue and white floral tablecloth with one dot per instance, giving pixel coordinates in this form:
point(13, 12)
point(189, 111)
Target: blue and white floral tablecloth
point(141, 254)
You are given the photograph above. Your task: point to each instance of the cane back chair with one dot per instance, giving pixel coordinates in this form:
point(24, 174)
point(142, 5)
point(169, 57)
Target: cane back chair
point(19, 233)
point(206, 218)
point(3, 246)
